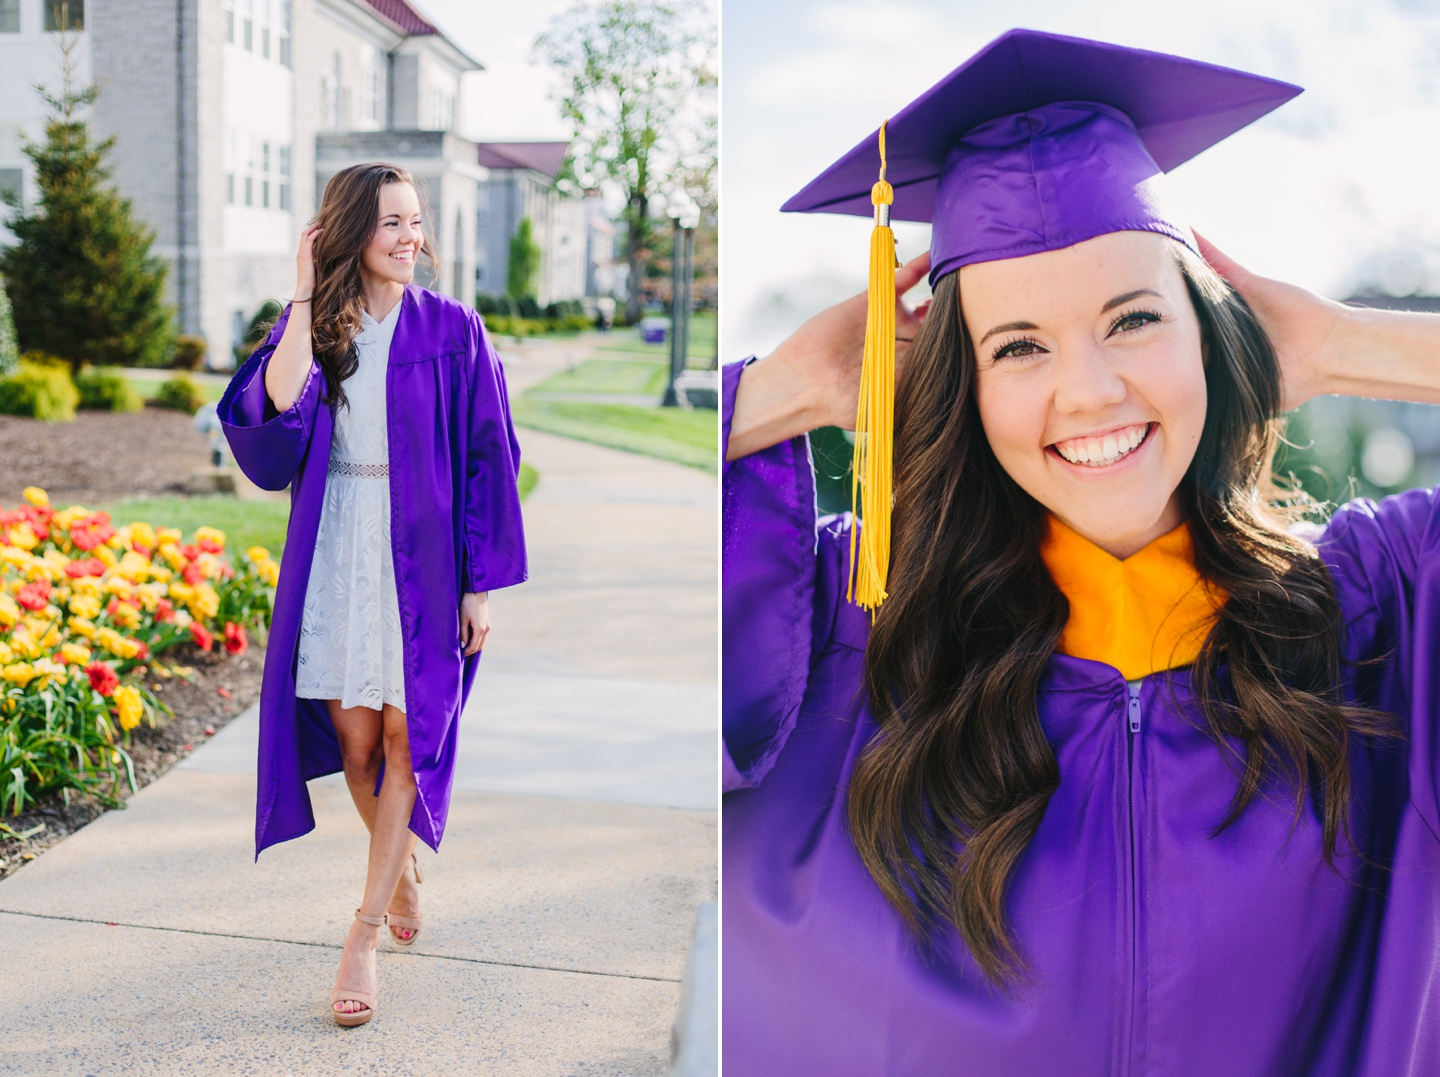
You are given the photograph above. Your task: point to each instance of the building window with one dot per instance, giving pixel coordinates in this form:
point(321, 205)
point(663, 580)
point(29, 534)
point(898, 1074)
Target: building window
point(65, 15)
point(11, 184)
point(285, 32)
point(265, 42)
point(9, 16)
point(265, 193)
point(264, 157)
point(248, 25)
point(336, 119)
point(230, 188)
point(285, 177)
point(249, 186)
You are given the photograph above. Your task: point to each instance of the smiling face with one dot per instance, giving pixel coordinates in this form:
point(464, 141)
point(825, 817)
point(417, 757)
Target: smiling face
point(390, 254)
point(1090, 381)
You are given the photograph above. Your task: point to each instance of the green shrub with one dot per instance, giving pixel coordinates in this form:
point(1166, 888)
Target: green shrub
point(485, 304)
point(105, 390)
point(180, 393)
point(260, 326)
point(39, 390)
point(189, 352)
point(528, 307)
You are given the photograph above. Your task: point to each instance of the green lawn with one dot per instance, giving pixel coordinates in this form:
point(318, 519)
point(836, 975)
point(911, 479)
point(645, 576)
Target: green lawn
point(607, 376)
point(148, 388)
point(528, 478)
point(703, 329)
point(245, 523)
point(686, 437)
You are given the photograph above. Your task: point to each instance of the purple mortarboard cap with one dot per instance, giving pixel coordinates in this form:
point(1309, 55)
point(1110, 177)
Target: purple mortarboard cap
point(1038, 142)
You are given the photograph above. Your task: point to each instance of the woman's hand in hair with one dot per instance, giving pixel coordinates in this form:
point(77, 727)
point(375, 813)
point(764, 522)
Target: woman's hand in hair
point(474, 620)
point(813, 378)
point(305, 261)
point(1309, 332)
point(289, 366)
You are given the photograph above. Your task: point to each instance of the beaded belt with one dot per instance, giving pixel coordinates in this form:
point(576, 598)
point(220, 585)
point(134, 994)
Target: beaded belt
point(366, 471)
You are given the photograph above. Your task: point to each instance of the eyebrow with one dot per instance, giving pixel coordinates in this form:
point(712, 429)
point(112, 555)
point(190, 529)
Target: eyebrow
point(1119, 300)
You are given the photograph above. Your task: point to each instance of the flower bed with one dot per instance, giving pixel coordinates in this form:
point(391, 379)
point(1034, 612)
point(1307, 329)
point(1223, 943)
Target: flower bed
point(86, 611)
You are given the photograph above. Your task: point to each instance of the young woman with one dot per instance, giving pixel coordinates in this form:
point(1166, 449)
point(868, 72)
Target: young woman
point(1124, 776)
point(383, 406)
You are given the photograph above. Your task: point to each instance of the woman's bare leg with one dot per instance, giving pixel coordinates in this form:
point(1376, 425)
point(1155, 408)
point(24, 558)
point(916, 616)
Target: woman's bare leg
point(388, 818)
point(361, 750)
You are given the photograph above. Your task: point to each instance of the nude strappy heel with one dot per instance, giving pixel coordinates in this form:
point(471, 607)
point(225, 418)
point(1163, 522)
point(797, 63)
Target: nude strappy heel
point(340, 994)
point(412, 922)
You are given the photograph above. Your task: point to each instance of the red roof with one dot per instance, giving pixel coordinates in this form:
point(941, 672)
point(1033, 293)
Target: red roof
point(402, 15)
point(546, 157)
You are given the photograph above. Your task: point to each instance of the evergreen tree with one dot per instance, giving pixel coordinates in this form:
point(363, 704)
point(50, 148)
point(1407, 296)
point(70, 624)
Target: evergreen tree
point(524, 261)
point(9, 349)
point(81, 279)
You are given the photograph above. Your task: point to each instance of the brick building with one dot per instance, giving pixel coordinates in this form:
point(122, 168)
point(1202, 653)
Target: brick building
point(229, 117)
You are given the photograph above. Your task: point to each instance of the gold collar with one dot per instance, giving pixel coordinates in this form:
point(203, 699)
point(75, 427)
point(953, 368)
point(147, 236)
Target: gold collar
point(1149, 612)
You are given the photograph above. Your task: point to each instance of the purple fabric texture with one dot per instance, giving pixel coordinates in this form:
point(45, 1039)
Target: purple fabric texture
point(455, 528)
point(1156, 947)
point(1040, 141)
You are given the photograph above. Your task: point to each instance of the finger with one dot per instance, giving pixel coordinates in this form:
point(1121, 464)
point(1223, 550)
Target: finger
point(1219, 261)
point(922, 310)
point(909, 275)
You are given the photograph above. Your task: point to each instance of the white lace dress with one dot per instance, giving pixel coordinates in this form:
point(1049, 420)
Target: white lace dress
point(350, 639)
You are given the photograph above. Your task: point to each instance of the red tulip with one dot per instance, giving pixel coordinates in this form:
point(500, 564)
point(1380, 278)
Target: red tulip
point(102, 678)
point(235, 641)
point(203, 639)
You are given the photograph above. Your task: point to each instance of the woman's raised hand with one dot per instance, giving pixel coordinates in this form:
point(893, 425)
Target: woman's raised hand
point(1309, 332)
point(305, 262)
point(813, 378)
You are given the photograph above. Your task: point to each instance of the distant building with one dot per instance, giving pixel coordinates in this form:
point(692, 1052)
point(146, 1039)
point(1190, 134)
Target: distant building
point(231, 115)
point(574, 238)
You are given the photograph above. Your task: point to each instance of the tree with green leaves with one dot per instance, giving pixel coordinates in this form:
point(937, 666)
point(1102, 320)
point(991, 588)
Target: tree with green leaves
point(637, 85)
point(81, 279)
point(524, 261)
point(9, 346)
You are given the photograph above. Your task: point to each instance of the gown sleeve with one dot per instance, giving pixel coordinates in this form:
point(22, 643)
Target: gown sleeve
point(268, 444)
point(1385, 561)
point(494, 535)
point(782, 572)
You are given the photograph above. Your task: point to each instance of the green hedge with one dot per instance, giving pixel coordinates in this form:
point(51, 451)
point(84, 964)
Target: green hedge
point(180, 393)
point(105, 390)
point(39, 389)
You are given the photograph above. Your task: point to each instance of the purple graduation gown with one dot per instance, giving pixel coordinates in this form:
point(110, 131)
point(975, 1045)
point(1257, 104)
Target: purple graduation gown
point(1156, 948)
point(455, 528)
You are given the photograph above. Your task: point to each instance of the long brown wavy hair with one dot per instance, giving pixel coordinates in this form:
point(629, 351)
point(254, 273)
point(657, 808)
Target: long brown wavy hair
point(349, 214)
point(949, 793)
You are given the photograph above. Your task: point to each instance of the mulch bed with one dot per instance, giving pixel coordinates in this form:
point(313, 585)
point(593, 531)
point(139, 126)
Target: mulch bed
point(221, 688)
point(101, 455)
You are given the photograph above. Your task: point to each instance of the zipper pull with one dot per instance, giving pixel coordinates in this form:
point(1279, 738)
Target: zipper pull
point(1134, 707)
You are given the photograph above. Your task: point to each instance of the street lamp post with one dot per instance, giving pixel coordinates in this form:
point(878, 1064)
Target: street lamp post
point(686, 216)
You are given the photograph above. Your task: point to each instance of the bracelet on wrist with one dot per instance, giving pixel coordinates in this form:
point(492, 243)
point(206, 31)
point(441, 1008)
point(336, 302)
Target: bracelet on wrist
point(305, 300)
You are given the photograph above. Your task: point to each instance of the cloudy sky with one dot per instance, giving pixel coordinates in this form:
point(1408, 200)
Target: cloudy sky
point(1338, 189)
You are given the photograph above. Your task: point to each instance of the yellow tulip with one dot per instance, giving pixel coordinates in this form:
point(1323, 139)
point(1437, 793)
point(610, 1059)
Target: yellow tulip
point(23, 535)
point(206, 603)
point(73, 652)
point(269, 571)
point(16, 556)
point(127, 615)
point(35, 496)
point(106, 556)
point(83, 626)
point(181, 591)
point(6, 654)
point(142, 534)
point(87, 606)
point(172, 555)
point(133, 566)
point(62, 520)
point(258, 553)
point(130, 706)
point(48, 670)
point(86, 585)
point(118, 585)
point(9, 610)
point(214, 534)
point(20, 673)
point(170, 535)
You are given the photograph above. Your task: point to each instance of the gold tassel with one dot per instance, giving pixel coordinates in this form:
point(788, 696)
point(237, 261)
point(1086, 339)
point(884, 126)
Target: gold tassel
point(872, 475)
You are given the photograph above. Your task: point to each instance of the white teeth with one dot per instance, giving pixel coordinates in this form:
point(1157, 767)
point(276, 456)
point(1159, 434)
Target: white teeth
point(1099, 453)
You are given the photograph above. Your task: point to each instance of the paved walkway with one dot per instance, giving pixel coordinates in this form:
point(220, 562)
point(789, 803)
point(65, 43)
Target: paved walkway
point(560, 912)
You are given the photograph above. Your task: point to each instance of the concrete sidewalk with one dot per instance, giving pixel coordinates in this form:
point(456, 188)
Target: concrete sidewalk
point(559, 914)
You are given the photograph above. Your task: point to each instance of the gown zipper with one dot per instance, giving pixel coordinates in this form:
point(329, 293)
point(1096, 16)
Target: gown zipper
point(1132, 721)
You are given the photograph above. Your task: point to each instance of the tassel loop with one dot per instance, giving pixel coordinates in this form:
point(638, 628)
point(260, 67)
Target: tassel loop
point(872, 472)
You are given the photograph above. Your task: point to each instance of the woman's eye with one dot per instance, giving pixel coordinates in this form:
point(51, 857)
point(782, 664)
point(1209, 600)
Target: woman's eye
point(1136, 319)
point(1017, 349)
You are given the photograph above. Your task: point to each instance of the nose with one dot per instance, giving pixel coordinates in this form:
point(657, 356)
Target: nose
point(1085, 381)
